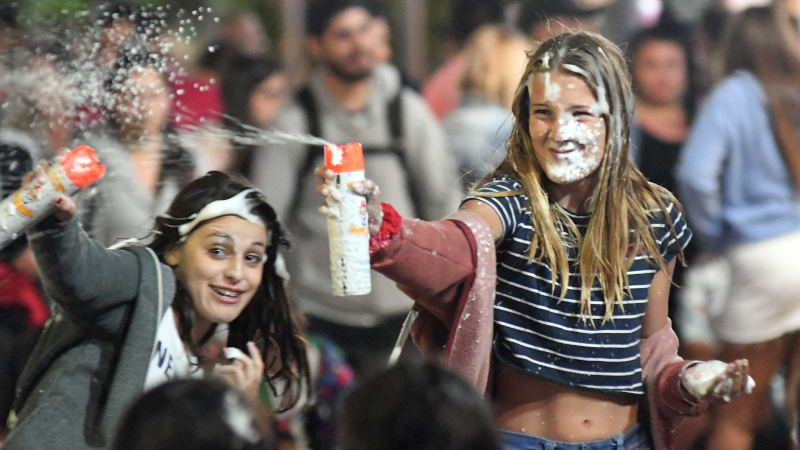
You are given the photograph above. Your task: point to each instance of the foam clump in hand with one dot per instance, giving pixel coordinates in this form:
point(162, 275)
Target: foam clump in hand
point(704, 377)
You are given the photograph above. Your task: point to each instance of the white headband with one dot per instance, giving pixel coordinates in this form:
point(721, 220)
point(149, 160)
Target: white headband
point(236, 206)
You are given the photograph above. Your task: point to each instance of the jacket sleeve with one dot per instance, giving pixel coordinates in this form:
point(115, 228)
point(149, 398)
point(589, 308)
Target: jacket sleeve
point(448, 267)
point(666, 401)
point(430, 262)
point(79, 274)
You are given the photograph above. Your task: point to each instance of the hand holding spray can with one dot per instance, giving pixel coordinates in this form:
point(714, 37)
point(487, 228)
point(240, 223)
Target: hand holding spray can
point(348, 234)
point(32, 203)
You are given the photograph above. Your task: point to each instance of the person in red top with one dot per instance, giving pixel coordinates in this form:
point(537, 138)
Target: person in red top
point(23, 310)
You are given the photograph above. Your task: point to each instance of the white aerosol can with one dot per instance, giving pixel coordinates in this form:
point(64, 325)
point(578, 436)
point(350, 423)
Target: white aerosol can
point(28, 205)
point(348, 235)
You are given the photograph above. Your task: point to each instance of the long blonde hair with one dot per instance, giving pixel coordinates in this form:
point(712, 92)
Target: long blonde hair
point(494, 58)
point(623, 201)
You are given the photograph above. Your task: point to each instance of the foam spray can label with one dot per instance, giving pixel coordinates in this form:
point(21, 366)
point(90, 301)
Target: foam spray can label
point(348, 235)
point(28, 205)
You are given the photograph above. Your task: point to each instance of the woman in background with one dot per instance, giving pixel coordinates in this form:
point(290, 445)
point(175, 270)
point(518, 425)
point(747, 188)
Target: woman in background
point(145, 164)
point(739, 174)
point(254, 89)
point(477, 130)
point(662, 81)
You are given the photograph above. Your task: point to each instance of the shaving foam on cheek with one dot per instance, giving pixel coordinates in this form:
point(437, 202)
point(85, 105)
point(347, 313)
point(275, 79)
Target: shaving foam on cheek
point(32, 203)
point(580, 157)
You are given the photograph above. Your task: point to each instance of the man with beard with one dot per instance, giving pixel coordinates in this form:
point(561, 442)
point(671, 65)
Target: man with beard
point(349, 97)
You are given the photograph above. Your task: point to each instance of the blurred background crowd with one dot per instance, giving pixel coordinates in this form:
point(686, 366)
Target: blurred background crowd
point(165, 91)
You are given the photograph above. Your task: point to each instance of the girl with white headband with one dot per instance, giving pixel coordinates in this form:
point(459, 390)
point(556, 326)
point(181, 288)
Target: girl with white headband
point(129, 319)
point(548, 289)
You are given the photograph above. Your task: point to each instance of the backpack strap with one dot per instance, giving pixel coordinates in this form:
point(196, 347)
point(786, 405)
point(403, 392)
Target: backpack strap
point(397, 146)
point(394, 113)
point(306, 100)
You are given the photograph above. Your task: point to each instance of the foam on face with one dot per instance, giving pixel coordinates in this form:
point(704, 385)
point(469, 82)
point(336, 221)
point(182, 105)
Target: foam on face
point(573, 165)
point(600, 107)
point(552, 91)
point(579, 163)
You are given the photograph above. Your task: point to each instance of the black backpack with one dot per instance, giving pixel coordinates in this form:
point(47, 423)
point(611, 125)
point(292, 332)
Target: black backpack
point(394, 117)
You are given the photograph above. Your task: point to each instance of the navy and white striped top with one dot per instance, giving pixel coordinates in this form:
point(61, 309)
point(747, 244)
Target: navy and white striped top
point(537, 333)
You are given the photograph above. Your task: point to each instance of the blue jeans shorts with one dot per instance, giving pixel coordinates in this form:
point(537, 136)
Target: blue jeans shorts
point(635, 438)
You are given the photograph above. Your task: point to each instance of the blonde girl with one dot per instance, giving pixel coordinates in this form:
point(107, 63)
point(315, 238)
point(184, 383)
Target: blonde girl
point(548, 289)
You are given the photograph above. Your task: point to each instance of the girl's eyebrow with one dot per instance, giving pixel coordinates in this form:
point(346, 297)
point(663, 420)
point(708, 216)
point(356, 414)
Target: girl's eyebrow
point(574, 107)
point(223, 235)
point(229, 239)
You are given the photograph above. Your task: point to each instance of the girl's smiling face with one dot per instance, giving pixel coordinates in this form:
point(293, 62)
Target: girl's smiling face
point(220, 265)
point(566, 129)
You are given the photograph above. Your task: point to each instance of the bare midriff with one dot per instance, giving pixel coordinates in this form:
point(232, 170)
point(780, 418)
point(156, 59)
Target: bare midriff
point(535, 406)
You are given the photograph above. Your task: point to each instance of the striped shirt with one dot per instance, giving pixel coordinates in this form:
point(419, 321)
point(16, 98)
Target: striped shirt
point(537, 333)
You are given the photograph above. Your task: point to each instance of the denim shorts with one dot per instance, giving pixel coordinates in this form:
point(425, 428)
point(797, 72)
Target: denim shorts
point(635, 438)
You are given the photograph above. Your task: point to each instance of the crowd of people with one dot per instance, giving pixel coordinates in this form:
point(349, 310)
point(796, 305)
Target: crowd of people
point(595, 236)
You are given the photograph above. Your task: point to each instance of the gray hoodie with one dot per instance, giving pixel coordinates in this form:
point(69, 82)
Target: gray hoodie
point(92, 358)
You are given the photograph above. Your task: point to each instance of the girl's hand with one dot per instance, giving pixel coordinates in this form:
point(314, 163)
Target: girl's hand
point(332, 196)
point(715, 381)
point(245, 372)
point(64, 206)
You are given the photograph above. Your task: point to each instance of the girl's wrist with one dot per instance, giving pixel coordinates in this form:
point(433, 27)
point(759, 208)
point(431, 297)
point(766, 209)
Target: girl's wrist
point(390, 226)
point(688, 394)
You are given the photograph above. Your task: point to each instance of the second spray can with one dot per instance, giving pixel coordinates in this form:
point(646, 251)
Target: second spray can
point(348, 235)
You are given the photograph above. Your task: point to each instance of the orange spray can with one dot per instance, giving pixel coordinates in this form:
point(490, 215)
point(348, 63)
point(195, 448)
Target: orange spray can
point(348, 234)
point(79, 169)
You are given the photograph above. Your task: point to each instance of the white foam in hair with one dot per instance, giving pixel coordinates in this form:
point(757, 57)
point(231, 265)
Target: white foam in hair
point(576, 70)
point(552, 91)
point(544, 62)
point(238, 205)
point(600, 107)
point(239, 418)
point(603, 52)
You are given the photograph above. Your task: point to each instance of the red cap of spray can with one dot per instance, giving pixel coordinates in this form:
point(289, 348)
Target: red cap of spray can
point(346, 158)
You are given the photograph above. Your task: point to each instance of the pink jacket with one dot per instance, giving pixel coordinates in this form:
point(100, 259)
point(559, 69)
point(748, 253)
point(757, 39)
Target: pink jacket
point(448, 268)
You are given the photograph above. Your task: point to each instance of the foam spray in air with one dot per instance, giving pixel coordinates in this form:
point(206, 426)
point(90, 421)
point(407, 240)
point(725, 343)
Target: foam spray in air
point(348, 234)
point(33, 202)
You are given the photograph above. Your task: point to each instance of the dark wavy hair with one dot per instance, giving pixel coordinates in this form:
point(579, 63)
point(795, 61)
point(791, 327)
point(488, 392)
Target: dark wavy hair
point(243, 74)
point(424, 406)
point(169, 417)
point(269, 320)
point(241, 77)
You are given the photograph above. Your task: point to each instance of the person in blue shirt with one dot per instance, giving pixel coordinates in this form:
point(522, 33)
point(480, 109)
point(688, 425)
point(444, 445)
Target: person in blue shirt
point(739, 173)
